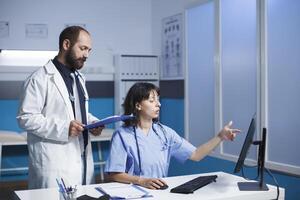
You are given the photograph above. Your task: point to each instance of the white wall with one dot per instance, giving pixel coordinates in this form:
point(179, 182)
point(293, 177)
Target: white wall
point(122, 26)
point(117, 25)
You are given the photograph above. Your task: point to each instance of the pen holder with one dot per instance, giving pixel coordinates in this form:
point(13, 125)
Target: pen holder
point(69, 195)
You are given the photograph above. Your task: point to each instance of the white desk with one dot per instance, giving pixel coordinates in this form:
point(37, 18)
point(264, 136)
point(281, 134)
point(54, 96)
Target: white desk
point(9, 138)
point(225, 188)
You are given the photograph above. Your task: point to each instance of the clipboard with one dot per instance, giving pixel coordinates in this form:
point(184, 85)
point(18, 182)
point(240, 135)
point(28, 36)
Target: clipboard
point(128, 191)
point(109, 120)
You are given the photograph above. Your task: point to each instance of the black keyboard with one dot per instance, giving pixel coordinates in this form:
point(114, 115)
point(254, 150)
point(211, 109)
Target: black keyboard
point(194, 184)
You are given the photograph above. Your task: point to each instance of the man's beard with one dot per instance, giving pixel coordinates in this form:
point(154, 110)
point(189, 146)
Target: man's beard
point(72, 61)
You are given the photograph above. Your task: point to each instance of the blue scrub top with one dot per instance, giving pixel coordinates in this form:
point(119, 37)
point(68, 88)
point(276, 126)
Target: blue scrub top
point(156, 150)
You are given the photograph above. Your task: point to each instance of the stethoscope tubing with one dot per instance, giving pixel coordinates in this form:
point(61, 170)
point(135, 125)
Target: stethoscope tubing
point(165, 144)
point(71, 96)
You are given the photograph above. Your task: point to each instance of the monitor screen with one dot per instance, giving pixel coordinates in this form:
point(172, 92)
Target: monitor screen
point(247, 143)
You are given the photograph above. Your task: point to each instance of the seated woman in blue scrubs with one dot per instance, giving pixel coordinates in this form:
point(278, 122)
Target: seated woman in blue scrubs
point(142, 148)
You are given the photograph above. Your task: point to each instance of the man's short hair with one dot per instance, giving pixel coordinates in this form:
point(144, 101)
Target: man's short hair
point(71, 33)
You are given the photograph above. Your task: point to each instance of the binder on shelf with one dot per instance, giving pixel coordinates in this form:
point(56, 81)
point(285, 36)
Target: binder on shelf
point(109, 120)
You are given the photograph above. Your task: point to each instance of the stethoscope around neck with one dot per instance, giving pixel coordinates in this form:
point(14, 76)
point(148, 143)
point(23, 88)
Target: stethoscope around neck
point(164, 143)
point(71, 96)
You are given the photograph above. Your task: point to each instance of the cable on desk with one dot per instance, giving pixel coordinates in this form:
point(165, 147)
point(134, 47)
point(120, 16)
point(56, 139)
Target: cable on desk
point(270, 174)
point(274, 179)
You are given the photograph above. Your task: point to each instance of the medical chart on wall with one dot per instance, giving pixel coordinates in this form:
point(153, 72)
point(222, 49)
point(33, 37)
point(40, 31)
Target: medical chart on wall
point(172, 32)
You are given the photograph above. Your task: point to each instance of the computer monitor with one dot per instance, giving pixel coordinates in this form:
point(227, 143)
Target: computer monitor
point(253, 186)
point(247, 143)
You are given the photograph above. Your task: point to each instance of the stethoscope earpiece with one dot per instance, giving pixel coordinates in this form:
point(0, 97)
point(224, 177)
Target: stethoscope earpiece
point(71, 97)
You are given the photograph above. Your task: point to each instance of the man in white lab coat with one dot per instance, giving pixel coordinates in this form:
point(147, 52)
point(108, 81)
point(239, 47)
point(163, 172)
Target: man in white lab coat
point(53, 111)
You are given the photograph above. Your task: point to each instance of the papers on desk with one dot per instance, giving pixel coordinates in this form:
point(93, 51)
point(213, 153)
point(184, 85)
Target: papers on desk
point(109, 120)
point(126, 191)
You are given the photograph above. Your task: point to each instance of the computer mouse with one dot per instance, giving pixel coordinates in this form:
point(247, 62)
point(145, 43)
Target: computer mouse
point(165, 186)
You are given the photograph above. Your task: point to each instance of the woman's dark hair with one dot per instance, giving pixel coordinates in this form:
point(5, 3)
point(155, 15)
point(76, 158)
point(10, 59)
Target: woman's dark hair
point(137, 93)
point(71, 33)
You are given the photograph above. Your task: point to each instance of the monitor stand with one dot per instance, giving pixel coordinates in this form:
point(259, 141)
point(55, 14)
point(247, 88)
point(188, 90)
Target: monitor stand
point(258, 186)
point(252, 186)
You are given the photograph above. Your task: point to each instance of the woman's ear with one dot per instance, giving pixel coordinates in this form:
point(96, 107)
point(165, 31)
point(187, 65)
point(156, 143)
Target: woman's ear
point(138, 106)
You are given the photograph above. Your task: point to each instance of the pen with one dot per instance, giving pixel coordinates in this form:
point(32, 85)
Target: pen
point(59, 186)
point(61, 189)
point(62, 180)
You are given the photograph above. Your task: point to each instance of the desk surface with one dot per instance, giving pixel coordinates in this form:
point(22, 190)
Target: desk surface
point(224, 188)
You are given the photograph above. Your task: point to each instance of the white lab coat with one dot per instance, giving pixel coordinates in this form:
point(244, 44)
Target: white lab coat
point(45, 113)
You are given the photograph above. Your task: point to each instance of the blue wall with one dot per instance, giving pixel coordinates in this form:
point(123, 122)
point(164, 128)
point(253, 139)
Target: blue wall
point(172, 114)
point(9, 109)
point(100, 107)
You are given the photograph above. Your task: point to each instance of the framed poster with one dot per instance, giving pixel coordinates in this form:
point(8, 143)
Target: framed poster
point(75, 24)
point(172, 32)
point(36, 31)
